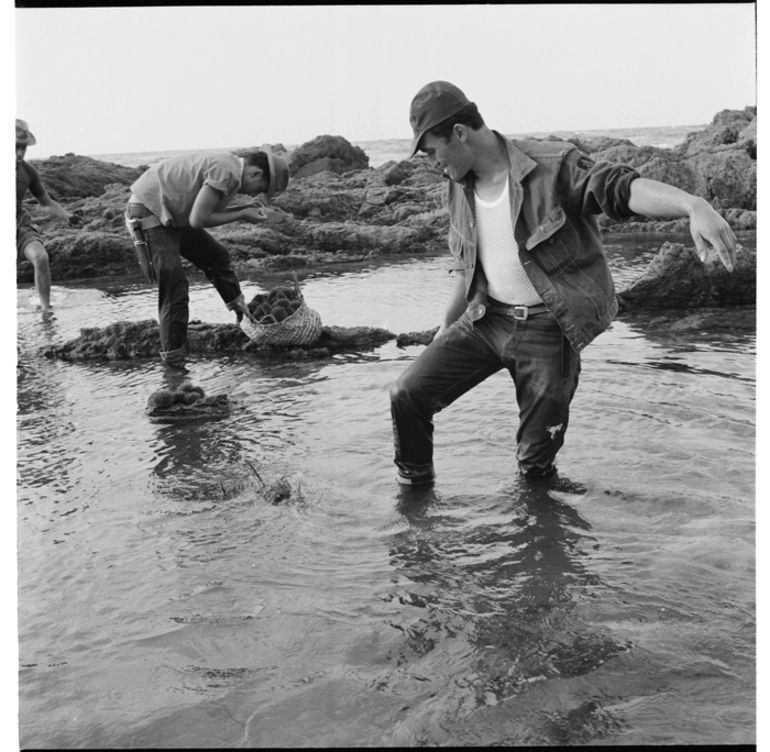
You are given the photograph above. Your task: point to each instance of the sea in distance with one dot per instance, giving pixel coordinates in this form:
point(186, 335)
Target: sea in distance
point(385, 150)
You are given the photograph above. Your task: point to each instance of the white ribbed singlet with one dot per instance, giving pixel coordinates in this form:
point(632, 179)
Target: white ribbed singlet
point(498, 253)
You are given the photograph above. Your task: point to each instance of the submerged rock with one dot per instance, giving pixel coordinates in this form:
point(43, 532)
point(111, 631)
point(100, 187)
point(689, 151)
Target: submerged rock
point(186, 402)
point(676, 278)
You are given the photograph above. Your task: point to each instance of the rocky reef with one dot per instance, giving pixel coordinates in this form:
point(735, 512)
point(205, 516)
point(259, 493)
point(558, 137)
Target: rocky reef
point(339, 209)
point(675, 279)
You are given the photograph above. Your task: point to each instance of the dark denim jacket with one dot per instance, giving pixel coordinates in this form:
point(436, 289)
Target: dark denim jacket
point(555, 192)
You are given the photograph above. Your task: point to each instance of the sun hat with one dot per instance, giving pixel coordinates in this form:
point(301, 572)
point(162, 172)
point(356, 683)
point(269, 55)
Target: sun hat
point(433, 104)
point(23, 136)
point(279, 172)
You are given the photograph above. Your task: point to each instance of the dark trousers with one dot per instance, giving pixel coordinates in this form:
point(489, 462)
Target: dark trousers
point(544, 369)
point(168, 246)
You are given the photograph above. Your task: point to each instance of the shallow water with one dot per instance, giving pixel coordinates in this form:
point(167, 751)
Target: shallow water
point(165, 603)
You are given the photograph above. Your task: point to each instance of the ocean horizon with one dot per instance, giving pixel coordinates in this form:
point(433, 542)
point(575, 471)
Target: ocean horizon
point(395, 149)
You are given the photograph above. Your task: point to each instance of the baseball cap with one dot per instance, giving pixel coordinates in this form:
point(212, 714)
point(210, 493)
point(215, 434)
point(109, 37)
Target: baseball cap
point(433, 104)
point(23, 136)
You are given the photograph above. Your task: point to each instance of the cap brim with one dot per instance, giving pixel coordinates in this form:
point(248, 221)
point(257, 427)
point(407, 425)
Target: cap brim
point(271, 163)
point(28, 140)
point(416, 144)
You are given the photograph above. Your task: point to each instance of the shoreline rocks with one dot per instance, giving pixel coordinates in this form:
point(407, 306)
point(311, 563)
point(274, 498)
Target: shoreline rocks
point(338, 209)
point(675, 279)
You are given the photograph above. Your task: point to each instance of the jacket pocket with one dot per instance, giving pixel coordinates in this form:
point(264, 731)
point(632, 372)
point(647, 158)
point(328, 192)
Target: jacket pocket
point(461, 249)
point(456, 242)
point(551, 224)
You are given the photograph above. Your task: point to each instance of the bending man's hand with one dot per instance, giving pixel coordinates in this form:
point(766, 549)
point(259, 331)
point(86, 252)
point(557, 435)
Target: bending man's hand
point(253, 215)
point(708, 227)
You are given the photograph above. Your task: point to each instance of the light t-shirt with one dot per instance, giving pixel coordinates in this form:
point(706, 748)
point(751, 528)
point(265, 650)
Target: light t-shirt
point(169, 188)
point(498, 253)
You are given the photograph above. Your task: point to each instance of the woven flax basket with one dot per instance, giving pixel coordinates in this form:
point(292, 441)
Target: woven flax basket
point(303, 327)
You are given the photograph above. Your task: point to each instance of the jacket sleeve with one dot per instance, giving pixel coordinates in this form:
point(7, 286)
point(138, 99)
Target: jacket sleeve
point(595, 187)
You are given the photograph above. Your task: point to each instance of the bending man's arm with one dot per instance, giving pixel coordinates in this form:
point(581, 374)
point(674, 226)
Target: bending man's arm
point(652, 198)
point(203, 214)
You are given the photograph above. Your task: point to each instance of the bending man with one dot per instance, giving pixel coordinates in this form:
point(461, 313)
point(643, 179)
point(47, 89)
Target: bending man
point(171, 204)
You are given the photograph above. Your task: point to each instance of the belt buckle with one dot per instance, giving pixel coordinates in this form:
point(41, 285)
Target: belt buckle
point(520, 313)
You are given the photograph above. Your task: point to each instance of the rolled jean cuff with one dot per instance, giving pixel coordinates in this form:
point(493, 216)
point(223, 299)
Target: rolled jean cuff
point(415, 474)
point(534, 473)
point(173, 356)
point(238, 304)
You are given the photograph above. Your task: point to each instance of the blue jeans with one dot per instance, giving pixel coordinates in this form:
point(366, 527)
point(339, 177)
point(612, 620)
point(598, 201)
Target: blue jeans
point(544, 369)
point(168, 245)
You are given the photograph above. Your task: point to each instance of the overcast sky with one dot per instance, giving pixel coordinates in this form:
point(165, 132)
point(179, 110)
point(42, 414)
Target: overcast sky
point(109, 80)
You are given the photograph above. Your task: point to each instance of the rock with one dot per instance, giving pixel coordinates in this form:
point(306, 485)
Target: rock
point(71, 176)
point(726, 177)
point(338, 209)
point(75, 254)
point(327, 153)
point(416, 338)
point(141, 340)
point(676, 278)
point(731, 128)
point(186, 402)
point(277, 492)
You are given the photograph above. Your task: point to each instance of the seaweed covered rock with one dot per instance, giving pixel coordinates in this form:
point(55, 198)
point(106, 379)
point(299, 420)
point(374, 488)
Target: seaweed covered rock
point(676, 278)
point(416, 338)
point(186, 402)
point(125, 340)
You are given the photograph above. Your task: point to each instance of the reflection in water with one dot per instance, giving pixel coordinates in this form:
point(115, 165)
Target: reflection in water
point(505, 575)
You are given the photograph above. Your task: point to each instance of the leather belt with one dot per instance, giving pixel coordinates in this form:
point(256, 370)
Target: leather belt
point(518, 312)
point(146, 222)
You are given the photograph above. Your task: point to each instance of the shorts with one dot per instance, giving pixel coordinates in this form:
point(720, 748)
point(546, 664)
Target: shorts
point(26, 233)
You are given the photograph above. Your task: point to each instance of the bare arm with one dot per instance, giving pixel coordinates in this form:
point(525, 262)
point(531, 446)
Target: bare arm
point(54, 208)
point(652, 198)
point(203, 214)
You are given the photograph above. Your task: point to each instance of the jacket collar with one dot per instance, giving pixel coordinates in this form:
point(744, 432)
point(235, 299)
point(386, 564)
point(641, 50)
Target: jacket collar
point(520, 164)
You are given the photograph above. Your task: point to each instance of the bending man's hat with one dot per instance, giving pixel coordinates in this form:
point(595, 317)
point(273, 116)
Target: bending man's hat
point(279, 172)
point(23, 136)
point(433, 104)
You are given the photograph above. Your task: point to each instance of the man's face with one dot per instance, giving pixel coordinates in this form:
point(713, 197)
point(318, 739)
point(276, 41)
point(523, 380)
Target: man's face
point(254, 181)
point(451, 156)
point(21, 150)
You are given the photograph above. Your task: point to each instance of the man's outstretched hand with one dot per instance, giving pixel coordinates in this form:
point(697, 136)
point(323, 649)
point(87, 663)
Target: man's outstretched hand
point(707, 227)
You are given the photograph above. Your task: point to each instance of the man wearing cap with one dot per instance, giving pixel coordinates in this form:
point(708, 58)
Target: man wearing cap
point(172, 203)
point(28, 242)
point(533, 285)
